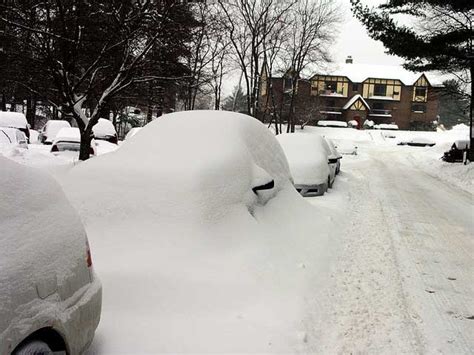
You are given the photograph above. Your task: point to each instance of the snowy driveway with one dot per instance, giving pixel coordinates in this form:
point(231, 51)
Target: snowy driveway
point(404, 279)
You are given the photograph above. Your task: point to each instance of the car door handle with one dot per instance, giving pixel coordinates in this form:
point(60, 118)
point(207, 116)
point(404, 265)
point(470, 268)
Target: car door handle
point(268, 186)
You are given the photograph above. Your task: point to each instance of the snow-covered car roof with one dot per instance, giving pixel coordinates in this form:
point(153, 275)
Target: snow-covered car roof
point(334, 123)
point(104, 128)
point(13, 119)
point(307, 157)
point(389, 126)
point(53, 127)
point(68, 134)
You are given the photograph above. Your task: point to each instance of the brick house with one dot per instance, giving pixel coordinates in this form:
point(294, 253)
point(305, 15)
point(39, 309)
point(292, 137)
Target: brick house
point(356, 92)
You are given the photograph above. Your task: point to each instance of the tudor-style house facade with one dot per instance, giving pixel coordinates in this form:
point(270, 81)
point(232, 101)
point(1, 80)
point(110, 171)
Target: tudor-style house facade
point(358, 93)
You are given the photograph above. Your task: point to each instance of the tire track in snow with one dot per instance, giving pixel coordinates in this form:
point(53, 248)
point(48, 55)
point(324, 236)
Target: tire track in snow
point(363, 309)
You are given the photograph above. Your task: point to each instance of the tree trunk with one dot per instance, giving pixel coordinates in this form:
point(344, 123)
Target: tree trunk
point(471, 108)
point(85, 149)
point(3, 106)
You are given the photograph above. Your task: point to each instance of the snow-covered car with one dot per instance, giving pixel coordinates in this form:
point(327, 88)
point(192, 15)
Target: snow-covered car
point(308, 161)
point(12, 138)
point(333, 123)
point(418, 142)
point(217, 228)
point(105, 130)
point(15, 120)
point(68, 142)
point(346, 147)
point(50, 297)
point(335, 154)
point(51, 129)
point(386, 126)
point(132, 132)
point(457, 151)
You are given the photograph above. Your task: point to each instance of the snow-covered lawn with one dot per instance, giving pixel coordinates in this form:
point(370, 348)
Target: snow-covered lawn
point(192, 260)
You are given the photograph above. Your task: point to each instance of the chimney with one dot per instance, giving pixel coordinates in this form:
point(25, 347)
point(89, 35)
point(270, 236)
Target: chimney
point(349, 60)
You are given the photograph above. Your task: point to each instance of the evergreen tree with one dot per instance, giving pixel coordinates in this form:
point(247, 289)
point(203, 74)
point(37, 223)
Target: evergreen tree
point(440, 37)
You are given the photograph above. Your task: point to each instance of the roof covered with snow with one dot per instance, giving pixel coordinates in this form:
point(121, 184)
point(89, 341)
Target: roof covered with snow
point(358, 73)
point(353, 99)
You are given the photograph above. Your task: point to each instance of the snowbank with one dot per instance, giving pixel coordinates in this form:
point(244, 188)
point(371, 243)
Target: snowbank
point(208, 264)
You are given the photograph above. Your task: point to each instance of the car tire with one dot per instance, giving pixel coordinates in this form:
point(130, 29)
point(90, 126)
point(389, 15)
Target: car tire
point(34, 347)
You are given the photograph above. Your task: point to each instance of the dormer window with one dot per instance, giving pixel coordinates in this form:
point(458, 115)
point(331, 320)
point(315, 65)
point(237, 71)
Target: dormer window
point(420, 91)
point(380, 90)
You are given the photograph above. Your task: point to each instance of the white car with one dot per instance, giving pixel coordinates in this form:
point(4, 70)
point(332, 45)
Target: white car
point(15, 120)
point(51, 129)
point(308, 161)
point(68, 142)
point(12, 138)
point(50, 297)
point(105, 130)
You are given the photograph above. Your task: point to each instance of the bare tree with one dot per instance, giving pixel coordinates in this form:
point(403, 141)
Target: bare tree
point(249, 23)
point(94, 51)
point(311, 30)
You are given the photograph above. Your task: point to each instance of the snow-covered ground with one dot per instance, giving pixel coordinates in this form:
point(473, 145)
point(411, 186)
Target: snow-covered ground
point(382, 263)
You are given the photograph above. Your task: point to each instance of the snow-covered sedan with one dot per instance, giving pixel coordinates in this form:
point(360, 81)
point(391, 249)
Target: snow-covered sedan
point(308, 161)
point(51, 129)
point(50, 297)
point(68, 142)
point(12, 138)
point(105, 130)
point(15, 120)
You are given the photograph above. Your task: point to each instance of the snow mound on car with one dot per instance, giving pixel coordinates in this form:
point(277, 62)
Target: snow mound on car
point(41, 236)
point(207, 264)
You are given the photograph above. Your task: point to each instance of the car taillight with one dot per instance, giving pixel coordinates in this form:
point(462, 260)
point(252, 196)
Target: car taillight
point(88, 254)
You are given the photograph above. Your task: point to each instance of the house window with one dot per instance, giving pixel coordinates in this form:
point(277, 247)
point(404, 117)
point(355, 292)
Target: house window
point(418, 108)
point(420, 91)
point(380, 90)
point(355, 87)
point(288, 84)
point(331, 86)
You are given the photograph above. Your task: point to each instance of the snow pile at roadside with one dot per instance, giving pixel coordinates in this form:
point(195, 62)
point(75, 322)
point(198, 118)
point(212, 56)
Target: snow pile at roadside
point(207, 264)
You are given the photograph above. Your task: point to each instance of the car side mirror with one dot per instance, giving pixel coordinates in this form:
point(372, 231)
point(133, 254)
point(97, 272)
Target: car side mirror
point(268, 186)
point(332, 160)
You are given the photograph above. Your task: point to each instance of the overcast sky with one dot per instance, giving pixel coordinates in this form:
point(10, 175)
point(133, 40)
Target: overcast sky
point(353, 40)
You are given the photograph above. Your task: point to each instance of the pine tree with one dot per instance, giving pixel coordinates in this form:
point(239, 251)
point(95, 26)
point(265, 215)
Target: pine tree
point(440, 37)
